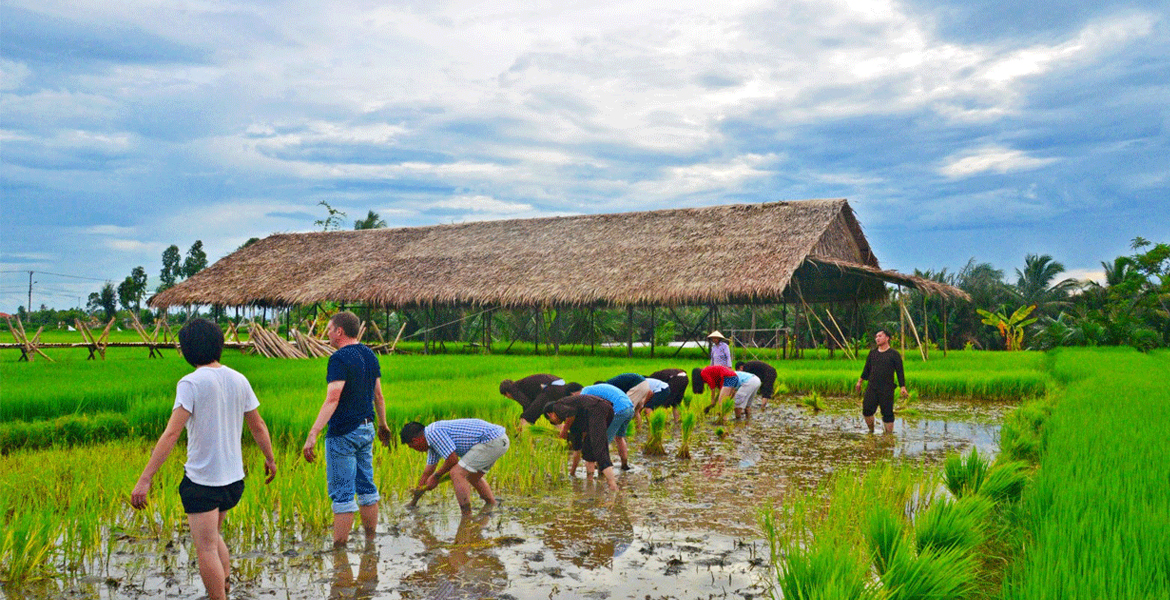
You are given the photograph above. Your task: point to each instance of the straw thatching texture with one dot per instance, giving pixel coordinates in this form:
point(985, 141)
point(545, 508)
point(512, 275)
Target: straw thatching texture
point(720, 254)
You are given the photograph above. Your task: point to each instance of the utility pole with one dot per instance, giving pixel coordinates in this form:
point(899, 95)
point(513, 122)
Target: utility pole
point(28, 307)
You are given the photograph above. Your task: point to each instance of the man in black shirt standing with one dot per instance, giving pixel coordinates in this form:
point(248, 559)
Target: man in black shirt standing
point(881, 366)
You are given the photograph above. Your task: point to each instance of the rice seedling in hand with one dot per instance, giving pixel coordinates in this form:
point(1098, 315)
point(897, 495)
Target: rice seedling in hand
point(687, 425)
point(965, 476)
point(653, 445)
point(909, 406)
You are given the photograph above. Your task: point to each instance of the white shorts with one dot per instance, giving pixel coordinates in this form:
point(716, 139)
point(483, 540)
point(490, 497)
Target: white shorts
point(481, 457)
point(747, 392)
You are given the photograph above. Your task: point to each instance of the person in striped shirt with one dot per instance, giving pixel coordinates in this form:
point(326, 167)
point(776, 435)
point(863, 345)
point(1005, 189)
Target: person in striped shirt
point(464, 448)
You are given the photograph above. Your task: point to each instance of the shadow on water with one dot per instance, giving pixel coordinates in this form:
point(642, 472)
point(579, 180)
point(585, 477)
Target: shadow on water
point(678, 529)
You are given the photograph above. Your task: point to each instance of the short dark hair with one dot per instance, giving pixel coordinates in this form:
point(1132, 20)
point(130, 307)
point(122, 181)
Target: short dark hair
point(348, 322)
point(739, 366)
point(883, 330)
point(697, 380)
point(201, 342)
point(573, 388)
point(507, 386)
point(410, 431)
point(563, 410)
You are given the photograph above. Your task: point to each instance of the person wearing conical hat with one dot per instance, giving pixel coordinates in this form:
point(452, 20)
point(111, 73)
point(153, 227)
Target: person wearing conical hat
point(720, 351)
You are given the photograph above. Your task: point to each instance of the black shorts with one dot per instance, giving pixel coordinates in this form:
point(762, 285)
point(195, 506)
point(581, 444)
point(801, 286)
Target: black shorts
point(874, 399)
point(206, 498)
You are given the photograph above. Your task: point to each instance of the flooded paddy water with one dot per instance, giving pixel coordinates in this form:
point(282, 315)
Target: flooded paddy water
point(678, 529)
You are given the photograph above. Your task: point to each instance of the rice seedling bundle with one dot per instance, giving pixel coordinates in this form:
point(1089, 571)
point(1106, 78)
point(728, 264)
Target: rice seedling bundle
point(686, 427)
point(653, 445)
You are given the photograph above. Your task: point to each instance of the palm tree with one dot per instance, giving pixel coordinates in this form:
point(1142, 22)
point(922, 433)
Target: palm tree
point(372, 221)
point(1034, 284)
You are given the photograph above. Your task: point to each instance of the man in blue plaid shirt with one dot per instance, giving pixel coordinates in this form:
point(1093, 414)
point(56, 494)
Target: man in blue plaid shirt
point(464, 448)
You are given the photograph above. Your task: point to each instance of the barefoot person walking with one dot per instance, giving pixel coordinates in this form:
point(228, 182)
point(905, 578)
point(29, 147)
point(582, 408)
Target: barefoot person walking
point(213, 404)
point(353, 400)
point(881, 365)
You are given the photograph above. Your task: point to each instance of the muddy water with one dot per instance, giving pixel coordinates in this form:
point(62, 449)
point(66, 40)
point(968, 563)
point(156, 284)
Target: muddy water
point(679, 529)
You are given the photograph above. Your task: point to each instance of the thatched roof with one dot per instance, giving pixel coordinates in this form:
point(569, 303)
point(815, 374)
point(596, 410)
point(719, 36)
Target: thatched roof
point(738, 253)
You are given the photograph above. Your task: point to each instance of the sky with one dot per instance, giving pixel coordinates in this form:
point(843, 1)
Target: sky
point(957, 129)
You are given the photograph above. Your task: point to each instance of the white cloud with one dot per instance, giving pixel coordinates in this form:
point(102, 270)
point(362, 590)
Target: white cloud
point(108, 230)
point(1082, 275)
point(124, 245)
point(482, 204)
point(995, 159)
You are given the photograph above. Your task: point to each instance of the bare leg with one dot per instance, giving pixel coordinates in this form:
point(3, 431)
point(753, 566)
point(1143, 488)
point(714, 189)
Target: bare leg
point(739, 413)
point(482, 488)
point(574, 460)
point(225, 556)
point(889, 428)
point(623, 452)
point(369, 514)
point(205, 534)
point(462, 486)
point(609, 479)
point(869, 423)
point(590, 468)
point(342, 525)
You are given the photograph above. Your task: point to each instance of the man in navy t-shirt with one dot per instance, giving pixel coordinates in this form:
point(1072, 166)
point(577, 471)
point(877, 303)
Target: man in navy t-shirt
point(353, 403)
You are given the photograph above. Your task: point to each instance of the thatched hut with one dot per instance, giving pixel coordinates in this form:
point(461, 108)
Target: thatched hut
point(809, 251)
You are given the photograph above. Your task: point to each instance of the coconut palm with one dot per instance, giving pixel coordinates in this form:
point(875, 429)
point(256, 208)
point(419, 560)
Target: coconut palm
point(1034, 284)
point(372, 221)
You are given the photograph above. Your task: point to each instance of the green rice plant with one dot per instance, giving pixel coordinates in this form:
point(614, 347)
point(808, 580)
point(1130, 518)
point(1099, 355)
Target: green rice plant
point(826, 571)
point(781, 389)
point(653, 445)
point(1021, 435)
point(1097, 513)
point(813, 400)
point(908, 407)
point(687, 427)
point(953, 524)
point(886, 536)
point(965, 476)
point(931, 574)
point(1006, 481)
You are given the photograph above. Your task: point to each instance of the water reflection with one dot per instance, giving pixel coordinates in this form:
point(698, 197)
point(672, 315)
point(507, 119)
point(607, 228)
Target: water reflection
point(344, 586)
point(591, 530)
point(468, 567)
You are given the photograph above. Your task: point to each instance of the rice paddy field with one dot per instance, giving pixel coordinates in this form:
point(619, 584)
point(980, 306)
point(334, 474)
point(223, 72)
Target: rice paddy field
point(1066, 489)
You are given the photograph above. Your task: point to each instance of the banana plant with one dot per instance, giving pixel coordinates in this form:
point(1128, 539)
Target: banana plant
point(1011, 327)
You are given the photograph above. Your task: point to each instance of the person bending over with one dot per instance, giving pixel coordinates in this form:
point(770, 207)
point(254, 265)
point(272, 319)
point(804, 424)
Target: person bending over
point(464, 448)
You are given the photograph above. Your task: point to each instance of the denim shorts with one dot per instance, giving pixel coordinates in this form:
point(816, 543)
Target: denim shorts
point(349, 468)
point(731, 381)
point(620, 424)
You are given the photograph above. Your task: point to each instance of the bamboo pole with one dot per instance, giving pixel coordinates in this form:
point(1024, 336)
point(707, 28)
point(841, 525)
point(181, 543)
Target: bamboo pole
point(915, 330)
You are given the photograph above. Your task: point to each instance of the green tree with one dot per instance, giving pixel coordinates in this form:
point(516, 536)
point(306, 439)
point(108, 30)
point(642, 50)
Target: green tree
point(196, 259)
point(105, 300)
point(333, 220)
point(172, 267)
point(1034, 284)
point(372, 221)
point(126, 293)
